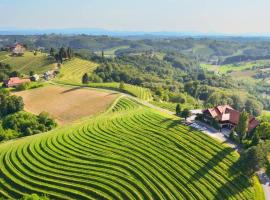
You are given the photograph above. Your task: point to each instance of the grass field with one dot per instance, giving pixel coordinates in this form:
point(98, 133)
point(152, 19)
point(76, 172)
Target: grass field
point(130, 152)
point(223, 69)
point(72, 72)
point(111, 51)
point(29, 62)
point(66, 104)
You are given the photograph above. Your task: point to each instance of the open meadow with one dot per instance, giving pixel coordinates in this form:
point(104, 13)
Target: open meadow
point(66, 104)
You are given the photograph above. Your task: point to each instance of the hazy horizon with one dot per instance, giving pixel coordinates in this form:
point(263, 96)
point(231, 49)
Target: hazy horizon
point(208, 16)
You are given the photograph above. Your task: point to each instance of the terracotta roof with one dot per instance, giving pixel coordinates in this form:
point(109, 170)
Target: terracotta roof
point(15, 81)
point(226, 113)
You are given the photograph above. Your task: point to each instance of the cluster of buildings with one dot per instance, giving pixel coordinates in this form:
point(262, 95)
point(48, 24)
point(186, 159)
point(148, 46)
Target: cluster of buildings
point(18, 49)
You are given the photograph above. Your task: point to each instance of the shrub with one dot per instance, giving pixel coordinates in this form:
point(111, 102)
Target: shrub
point(28, 124)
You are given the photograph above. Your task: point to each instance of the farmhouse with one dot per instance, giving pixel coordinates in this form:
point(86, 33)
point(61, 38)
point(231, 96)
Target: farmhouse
point(17, 49)
point(227, 117)
point(14, 81)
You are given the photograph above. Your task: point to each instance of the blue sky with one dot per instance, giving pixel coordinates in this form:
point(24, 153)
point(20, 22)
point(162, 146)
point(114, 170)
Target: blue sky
point(224, 16)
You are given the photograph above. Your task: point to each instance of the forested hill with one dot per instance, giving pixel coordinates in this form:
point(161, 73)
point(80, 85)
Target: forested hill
point(214, 49)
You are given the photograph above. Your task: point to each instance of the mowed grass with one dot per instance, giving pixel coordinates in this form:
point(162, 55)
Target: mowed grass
point(130, 152)
point(29, 62)
point(66, 104)
point(72, 72)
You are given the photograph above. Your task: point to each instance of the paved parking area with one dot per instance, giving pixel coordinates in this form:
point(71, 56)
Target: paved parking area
point(213, 133)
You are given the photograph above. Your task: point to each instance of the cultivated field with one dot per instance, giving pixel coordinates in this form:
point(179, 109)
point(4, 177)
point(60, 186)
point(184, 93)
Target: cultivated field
point(29, 62)
point(130, 152)
point(73, 70)
point(66, 104)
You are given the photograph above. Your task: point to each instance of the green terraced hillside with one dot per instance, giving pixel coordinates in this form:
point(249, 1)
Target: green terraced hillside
point(72, 72)
point(130, 152)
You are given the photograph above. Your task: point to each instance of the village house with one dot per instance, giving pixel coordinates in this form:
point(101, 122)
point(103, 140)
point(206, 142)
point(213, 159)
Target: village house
point(17, 49)
point(14, 82)
point(227, 117)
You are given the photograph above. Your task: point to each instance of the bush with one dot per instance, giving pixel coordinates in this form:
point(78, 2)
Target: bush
point(28, 124)
point(24, 86)
point(9, 104)
point(7, 134)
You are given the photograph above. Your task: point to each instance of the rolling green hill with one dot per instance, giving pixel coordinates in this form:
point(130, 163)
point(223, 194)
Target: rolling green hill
point(72, 72)
point(28, 62)
point(130, 152)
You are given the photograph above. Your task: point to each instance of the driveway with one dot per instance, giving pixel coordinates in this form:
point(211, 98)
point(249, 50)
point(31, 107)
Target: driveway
point(213, 133)
point(265, 184)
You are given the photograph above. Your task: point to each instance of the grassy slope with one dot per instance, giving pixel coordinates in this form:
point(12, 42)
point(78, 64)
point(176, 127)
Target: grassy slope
point(29, 62)
point(111, 51)
point(130, 152)
point(72, 72)
point(235, 67)
point(171, 106)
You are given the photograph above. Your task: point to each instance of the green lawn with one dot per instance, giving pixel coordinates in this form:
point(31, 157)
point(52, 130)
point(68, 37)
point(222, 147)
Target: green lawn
point(129, 152)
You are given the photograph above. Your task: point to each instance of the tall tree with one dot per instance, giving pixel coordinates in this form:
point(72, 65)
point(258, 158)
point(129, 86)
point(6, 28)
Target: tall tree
point(242, 126)
point(85, 79)
point(102, 55)
point(122, 85)
point(52, 52)
point(178, 109)
point(69, 53)
point(186, 113)
point(63, 52)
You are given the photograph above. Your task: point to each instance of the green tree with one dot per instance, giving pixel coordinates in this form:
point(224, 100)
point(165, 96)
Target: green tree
point(253, 107)
point(178, 109)
point(242, 126)
point(31, 73)
point(186, 113)
point(85, 79)
point(122, 85)
point(52, 52)
point(238, 103)
point(102, 55)
point(263, 131)
point(69, 53)
point(63, 52)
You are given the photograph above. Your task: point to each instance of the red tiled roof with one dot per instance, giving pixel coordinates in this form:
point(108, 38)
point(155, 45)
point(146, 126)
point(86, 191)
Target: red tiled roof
point(15, 81)
point(226, 113)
